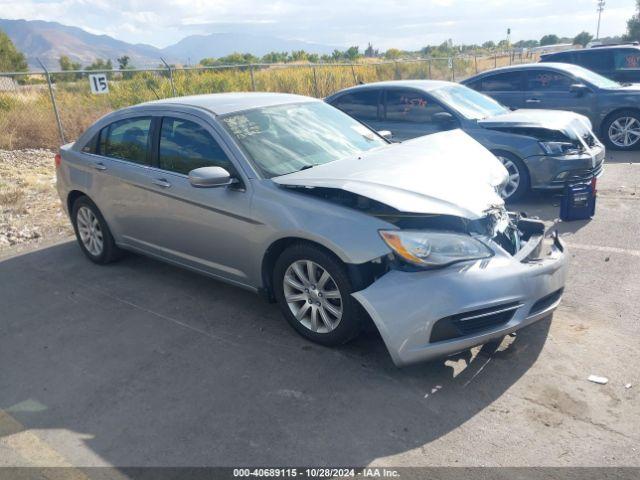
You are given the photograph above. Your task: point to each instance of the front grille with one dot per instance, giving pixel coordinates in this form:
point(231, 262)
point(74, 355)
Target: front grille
point(581, 175)
point(473, 322)
point(546, 301)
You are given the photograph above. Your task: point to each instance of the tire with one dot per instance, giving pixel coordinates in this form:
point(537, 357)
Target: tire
point(92, 232)
point(324, 326)
point(621, 130)
point(515, 166)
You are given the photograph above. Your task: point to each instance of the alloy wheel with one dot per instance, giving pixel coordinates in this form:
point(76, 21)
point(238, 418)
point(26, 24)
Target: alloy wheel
point(624, 131)
point(312, 296)
point(514, 177)
point(90, 231)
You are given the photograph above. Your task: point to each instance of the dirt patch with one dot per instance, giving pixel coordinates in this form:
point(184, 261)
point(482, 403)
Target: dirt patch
point(30, 210)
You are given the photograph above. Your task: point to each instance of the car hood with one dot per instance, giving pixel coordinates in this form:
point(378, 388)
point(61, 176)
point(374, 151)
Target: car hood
point(446, 173)
point(571, 124)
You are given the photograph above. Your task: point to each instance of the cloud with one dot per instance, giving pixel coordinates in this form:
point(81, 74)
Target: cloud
point(406, 24)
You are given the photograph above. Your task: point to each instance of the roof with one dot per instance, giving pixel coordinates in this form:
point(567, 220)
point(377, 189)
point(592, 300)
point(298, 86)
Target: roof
point(425, 85)
point(596, 48)
point(565, 67)
point(223, 103)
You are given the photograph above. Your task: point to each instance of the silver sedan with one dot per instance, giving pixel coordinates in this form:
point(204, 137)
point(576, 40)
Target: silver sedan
point(289, 197)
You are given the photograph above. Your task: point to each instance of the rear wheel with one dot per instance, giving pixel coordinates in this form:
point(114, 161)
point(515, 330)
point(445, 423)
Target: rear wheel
point(92, 232)
point(622, 130)
point(518, 182)
point(314, 293)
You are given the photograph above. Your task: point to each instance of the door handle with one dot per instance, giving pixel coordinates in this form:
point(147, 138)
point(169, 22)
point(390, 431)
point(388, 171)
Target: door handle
point(532, 100)
point(161, 182)
point(99, 166)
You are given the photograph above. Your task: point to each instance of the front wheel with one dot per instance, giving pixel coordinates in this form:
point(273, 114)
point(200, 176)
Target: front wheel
point(314, 293)
point(518, 181)
point(622, 130)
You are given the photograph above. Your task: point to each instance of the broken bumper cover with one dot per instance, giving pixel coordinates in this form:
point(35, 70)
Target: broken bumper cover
point(435, 313)
point(550, 172)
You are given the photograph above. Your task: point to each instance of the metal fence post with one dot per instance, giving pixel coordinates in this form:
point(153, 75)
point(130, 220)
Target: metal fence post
point(495, 59)
point(475, 61)
point(315, 81)
point(429, 64)
point(173, 87)
point(453, 69)
point(53, 103)
point(253, 82)
point(355, 77)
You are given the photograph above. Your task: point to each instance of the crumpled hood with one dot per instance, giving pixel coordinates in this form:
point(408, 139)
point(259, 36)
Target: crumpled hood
point(573, 125)
point(446, 173)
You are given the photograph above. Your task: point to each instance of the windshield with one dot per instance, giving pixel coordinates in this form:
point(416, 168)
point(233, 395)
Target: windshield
point(468, 102)
point(287, 138)
point(592, 77)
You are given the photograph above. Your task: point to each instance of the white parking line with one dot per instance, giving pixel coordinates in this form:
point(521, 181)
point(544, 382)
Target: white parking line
point(597, 248)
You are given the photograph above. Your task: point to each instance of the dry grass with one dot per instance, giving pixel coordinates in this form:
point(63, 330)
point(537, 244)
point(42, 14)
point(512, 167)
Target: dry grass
point(27, 119)
point(30, 210)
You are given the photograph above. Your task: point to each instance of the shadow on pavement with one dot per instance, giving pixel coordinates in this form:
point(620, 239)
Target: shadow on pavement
point(140, 363)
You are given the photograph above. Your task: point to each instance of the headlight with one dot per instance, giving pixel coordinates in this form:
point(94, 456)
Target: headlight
point(559, 148)
point(434, 249)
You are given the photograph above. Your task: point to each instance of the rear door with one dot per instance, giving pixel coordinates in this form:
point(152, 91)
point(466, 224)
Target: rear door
point(598, 60)
point(411, 113)
point(550, 89)
point(505, 87)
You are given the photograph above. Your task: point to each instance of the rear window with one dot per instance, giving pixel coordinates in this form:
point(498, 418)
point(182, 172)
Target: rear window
point(127, 140)
point(362, 105)
point(502, 82)
point(627, 60)
point(597, 60)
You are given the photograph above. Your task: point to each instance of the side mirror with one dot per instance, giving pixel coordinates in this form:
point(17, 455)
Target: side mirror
point(444, 119)
point(579, 89)
point(386, 134)
point(207, 177)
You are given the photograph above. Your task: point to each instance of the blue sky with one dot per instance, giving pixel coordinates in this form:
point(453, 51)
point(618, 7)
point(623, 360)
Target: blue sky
point(408, 24)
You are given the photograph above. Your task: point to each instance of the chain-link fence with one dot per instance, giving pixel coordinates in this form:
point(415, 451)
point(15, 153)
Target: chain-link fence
point(45, 109)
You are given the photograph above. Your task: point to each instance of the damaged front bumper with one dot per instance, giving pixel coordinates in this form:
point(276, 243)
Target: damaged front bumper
point(434, 313)
point(549, 172)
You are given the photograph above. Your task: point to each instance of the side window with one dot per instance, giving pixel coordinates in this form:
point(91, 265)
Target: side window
point(92, 145)
point(627, 59)
point(563, 57)
point(410, 106)
point(597, 60)
point(185, 146)
point(548, 81)
point(503, 82)
point(362, 105)
point(127, 140)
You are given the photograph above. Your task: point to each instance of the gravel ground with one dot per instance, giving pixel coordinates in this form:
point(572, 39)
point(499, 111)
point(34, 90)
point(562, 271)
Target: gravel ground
point(30, 211)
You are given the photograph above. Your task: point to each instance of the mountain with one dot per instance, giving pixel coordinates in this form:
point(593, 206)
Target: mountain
point(197, 47)
point(48, 41)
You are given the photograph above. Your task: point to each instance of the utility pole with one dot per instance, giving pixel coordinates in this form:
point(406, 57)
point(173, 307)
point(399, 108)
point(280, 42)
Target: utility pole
point(600, 9)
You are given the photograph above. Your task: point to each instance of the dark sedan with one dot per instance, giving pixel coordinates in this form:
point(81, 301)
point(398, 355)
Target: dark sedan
point(613, 108)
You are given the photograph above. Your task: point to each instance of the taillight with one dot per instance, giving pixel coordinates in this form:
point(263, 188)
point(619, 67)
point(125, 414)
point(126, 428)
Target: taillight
point(58, 160)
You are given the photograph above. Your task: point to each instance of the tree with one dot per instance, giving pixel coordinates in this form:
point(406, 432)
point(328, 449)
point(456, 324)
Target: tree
point(11, 59)
point(352, 53)
point(123, 62)
point(582, 38)
point(299, 56)
point(275, 57)
point(504, 45)
point(65, 65)
point(489, 45)
point(370, 52)
point(549, 40)
point(100, 64)
point(337, 55)
point(392, 54)
point(633, 26)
